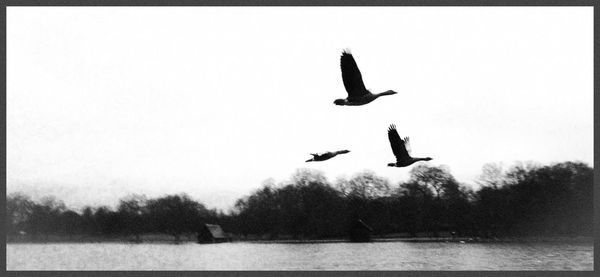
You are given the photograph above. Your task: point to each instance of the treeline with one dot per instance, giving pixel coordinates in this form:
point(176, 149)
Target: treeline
point(523, 200)
point(135, 215)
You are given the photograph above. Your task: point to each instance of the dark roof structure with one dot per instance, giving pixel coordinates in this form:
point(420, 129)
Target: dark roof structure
point(215, 231)
point(210, 233)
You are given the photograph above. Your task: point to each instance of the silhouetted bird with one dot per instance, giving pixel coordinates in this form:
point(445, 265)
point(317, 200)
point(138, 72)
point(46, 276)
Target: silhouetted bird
point(399, 147)
point(326, 156)
point(357, 93)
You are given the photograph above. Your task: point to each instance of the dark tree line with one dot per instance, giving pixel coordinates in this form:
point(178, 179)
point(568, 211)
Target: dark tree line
point(548, 200)
point(522, 200)
point(135, 215)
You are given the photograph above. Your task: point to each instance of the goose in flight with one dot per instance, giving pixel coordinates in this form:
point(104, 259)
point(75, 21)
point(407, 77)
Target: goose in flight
point(357, 93)
point(399, 147)
point(326, 156)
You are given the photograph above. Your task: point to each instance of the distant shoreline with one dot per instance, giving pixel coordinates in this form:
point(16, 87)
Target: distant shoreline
point(192, 239)
point(440, 239)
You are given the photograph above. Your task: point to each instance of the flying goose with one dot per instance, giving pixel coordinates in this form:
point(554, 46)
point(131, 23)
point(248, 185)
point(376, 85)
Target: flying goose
point(357, 93)
point(326, 155)
point(399, 147)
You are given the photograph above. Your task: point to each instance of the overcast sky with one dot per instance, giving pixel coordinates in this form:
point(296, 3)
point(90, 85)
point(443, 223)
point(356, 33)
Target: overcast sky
point(211, 101)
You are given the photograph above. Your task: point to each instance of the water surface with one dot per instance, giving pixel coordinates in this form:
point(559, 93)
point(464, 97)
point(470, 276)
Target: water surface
point(313, 256)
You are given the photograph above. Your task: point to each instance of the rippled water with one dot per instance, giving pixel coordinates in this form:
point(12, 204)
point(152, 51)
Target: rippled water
point(317, 256)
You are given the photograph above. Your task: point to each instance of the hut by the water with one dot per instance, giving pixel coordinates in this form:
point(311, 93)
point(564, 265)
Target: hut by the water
point(210, 233)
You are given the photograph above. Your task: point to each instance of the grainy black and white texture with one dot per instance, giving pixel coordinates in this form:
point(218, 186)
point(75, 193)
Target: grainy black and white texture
point(130, 107)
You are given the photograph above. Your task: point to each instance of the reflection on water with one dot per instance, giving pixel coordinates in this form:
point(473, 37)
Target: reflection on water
point(320, 256)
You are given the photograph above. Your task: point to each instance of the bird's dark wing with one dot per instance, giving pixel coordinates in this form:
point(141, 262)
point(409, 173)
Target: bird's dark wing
point(397, 144)
point(351, 76)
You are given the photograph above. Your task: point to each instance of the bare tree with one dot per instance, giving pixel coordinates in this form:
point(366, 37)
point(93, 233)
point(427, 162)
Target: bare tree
point(365, 185)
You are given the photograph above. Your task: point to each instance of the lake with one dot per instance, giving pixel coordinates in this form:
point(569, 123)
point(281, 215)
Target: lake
point(301, 256)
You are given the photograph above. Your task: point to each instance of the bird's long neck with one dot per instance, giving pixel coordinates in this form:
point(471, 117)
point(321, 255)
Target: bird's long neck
point(420, 159)
point(389, 92)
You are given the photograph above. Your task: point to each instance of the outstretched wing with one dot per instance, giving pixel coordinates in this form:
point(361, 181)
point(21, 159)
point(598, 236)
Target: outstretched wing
point(351, 76)
point(397, 144)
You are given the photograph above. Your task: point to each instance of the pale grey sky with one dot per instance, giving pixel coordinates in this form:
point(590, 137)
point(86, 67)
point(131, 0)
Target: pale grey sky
point(211, 101)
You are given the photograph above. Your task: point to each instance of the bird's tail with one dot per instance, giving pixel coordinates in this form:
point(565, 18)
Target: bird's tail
point(311, 160)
